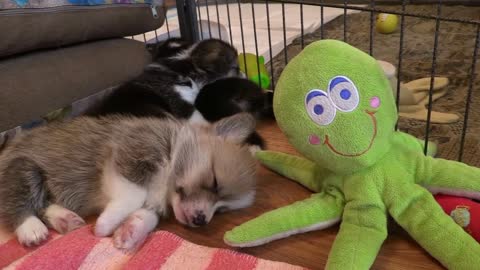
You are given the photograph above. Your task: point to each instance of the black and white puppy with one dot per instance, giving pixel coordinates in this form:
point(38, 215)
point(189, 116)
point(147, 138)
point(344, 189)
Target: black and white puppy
point(230, 96)
point(179, 72)
point(170, 84)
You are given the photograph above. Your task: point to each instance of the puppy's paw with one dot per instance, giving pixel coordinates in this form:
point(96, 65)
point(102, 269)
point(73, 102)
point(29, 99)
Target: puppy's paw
point(62, 219)
point(31, 232)
point(67, 223)
point(254, 149)
point(103, 227)
point(131, 234)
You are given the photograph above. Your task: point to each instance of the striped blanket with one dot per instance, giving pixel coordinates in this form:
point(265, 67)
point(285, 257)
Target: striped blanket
point(80, 249)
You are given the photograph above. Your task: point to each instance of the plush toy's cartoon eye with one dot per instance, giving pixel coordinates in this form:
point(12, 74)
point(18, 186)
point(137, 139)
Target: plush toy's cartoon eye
point(319, 107)
point(343, 94)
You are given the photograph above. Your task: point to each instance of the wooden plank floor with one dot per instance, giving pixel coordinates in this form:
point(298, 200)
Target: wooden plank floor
point(310, 249)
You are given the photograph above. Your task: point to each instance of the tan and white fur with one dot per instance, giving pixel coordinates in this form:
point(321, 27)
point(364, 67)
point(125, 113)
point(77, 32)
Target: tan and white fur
point(131, 171)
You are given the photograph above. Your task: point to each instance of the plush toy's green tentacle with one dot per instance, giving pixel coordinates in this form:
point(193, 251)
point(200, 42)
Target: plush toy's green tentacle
point(296, 168)
point(410, 143)
point(415, 209)
point(450, 177)
point(362, 232)
point(319, 211)
point(431, 149)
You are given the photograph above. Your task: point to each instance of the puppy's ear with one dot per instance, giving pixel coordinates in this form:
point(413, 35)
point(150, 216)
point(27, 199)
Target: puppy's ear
point(235, 128)
point(168, 48)
point(214, 56)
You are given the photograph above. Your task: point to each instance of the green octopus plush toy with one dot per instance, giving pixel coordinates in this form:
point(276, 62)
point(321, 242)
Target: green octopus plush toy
point(336, 107)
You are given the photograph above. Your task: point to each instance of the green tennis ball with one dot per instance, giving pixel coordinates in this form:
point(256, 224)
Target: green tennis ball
point(386, 23)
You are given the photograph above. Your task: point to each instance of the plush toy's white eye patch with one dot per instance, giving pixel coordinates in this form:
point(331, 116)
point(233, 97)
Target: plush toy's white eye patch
point(343, 93)
point(319, 107)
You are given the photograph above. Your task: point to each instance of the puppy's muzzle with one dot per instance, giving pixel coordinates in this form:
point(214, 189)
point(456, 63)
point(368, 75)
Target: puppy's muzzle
point(199, 219)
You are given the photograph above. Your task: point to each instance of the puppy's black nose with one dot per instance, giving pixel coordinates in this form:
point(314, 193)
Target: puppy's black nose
point(199, 219)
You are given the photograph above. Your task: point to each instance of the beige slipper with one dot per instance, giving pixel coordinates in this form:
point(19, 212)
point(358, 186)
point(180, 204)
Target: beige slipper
point(414, 92)
point(414, 96)
point(436, 95)
point(423, 84)
point(419, 112)
point(411, 93)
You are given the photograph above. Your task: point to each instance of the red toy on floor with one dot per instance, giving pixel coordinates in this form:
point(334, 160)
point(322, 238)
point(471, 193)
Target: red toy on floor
point(465, 212)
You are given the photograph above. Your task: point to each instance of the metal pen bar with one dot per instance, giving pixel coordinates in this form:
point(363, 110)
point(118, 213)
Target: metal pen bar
point(256, 42)
point(156, 36)
point(400, 57)
point(218, 20)
point(187, 20)
point(229, 22)
point(432, 76)
point(321, 21)
point(372, 23)
point(345, 5)
point(284, 34)
point(270, 45)
point(241, 33)
point(168, 28)
point(301, 24)
point(208, 20)
point(200, 20)
point(469, 95)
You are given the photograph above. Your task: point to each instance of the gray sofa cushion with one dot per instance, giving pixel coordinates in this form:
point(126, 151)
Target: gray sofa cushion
point(35, 84)
point(27, 29)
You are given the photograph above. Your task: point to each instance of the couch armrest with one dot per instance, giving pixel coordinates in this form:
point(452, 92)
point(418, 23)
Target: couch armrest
point(35, 84)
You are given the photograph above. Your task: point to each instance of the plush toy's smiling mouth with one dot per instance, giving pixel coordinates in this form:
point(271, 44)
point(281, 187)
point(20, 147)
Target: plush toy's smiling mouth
point(315, 140)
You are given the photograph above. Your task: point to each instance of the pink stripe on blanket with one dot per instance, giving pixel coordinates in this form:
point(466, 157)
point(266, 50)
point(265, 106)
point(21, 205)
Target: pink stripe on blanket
point(227, 259)
point(156, 250)
point(189, 256)
point(67, 252)
point(105, 256)
point(16, 263)
point(12, 250)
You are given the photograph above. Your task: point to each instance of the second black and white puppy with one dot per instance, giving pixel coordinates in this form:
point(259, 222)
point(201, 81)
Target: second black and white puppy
point(179, 72)
point(170, 85)
point(230, 96)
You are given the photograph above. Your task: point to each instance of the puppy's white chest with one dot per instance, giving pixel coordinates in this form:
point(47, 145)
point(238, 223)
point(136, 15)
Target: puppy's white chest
point(197, 119)
point(188, 93)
